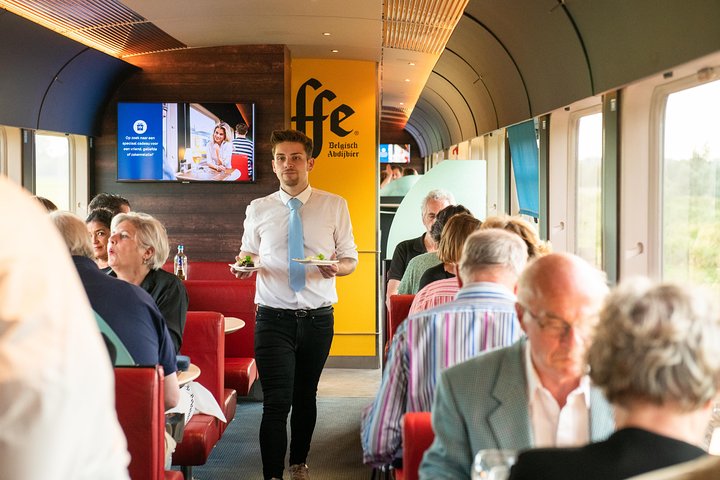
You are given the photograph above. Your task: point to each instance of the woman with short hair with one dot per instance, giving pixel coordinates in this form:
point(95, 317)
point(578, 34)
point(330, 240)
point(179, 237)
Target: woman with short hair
point(656, 356)
point(137, 251)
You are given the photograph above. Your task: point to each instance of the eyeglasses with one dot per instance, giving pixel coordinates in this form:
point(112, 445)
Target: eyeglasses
point(556, 327)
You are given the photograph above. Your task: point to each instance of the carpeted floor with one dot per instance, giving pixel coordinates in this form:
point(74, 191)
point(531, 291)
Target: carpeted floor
point(335, 453)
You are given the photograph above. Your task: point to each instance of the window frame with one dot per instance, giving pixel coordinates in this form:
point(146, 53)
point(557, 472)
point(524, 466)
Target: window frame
point(572, 173)
point(658, 106)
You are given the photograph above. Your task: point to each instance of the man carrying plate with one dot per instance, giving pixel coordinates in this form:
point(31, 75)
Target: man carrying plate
point(294, 322)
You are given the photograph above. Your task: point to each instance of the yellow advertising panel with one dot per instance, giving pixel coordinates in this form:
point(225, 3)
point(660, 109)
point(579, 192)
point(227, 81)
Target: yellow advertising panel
point(335, 103)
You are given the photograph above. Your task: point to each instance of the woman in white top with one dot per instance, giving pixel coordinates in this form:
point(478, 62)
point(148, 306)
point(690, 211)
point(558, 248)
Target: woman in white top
point(220, 148)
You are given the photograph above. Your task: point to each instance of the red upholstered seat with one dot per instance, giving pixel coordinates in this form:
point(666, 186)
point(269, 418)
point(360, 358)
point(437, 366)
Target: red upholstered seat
point(205, 270)
point(203, 342)
point(233, 298)
point(417, 436)
point(211, 287)
point(399, 309)
point(140, 402)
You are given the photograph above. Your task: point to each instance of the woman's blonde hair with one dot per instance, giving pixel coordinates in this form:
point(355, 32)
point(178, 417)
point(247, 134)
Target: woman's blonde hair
point(657, 343)
point(150, 234)
point(457, 229)
point(522, 227)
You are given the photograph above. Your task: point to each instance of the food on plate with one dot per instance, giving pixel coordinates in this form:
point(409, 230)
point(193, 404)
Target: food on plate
point(319, 256)
point(247, 262)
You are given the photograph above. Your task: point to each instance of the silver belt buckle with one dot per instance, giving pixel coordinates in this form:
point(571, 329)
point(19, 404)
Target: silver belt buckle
point(301, 313)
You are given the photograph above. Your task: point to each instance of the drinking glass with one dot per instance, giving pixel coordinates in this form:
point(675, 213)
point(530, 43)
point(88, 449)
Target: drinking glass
point(493, 464)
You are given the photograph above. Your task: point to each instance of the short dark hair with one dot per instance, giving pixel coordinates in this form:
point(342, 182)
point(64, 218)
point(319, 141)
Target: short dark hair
point(241, 129)
point(442, 217)
point(100, 215)
point(280, 136)
point(111, 201)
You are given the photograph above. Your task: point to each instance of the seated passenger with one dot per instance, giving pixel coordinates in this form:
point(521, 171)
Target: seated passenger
point(656, 356)
point(535, 392)
point(56, 386)
point(522, 227)
point(138, 249)
point(453, 236)
point(98, 225)
point(443, 291)
point(480, 318)
point(406, 250)
point(127, 309)
point(419, 264)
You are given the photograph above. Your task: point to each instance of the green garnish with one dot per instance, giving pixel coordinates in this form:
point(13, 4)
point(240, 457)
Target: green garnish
point(320, 256)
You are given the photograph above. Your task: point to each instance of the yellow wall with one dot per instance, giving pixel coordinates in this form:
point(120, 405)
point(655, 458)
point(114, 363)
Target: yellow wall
point(335, 103)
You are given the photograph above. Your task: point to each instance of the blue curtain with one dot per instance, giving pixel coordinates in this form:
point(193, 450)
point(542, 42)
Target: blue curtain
point(524, 153)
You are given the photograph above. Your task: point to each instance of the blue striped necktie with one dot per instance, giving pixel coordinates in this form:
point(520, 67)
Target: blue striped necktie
point(296, 248)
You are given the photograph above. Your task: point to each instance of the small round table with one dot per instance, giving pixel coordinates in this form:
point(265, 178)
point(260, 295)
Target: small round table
point(188, 375)
point(233, 324)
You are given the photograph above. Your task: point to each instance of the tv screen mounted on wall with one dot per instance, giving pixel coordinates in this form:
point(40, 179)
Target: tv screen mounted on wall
point(394, 153)
point(186, 142)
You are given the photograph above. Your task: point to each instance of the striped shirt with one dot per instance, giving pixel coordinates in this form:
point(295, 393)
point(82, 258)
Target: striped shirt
point(481, 317)
point(434, 294)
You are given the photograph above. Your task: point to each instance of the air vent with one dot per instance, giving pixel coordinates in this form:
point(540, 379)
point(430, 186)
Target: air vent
point(106, 25)
point(420, 25)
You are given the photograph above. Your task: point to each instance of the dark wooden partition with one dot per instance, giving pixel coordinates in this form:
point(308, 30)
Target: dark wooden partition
point(206, 218)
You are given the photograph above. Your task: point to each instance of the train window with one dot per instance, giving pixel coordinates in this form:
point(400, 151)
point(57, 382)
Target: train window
point(691, 185)
point(52, 168)
point(588, 188)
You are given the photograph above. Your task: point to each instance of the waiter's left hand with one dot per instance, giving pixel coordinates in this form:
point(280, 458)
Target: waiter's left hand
point(328, 271)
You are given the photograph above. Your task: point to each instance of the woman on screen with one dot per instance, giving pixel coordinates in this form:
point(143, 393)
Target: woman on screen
point(220, 149)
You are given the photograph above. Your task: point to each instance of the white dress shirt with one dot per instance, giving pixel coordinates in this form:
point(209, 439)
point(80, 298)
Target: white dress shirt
point(553, 426)
point(57, 395)
point(326, 230)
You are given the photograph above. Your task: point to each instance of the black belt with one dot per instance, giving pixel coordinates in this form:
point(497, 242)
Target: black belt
point(298, 313)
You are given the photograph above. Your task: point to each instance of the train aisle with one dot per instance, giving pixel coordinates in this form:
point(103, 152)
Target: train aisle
point(335, 453)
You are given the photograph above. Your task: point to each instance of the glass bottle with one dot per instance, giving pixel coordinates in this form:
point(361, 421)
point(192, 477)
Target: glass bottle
point(181, 265)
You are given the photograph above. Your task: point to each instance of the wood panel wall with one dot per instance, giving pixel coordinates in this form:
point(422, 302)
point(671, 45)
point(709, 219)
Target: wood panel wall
point(206, 218)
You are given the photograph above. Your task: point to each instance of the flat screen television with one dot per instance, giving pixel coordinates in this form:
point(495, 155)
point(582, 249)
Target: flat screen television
point(394, 153)
point(186, 142)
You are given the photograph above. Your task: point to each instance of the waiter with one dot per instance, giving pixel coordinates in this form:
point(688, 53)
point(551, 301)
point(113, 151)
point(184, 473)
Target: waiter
point(294, 322)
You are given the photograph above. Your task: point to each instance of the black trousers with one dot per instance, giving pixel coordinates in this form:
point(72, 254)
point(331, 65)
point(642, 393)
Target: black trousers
point(291, 347)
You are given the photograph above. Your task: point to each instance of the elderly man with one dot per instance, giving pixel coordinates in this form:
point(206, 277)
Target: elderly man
point(535, 392)
point(128, 309)
point(481, 317)
point(406, 250)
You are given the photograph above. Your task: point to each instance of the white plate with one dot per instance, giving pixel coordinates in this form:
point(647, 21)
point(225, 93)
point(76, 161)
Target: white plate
point(238, 268)
point(315, 261)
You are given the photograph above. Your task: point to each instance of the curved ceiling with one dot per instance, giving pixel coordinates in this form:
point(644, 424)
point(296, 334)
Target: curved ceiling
point(63, 88)
point(509, 61)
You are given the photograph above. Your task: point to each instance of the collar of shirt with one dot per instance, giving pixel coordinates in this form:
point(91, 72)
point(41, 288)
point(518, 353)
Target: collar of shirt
point(542, 403)
point(303, 196)
point(485, 288)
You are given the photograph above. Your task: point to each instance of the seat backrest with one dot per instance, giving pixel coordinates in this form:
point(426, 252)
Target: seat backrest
point(204, 343)
point(399, 309)
point(417, 436)
point(233, 298)
point(139, 401)
point(204, 270)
